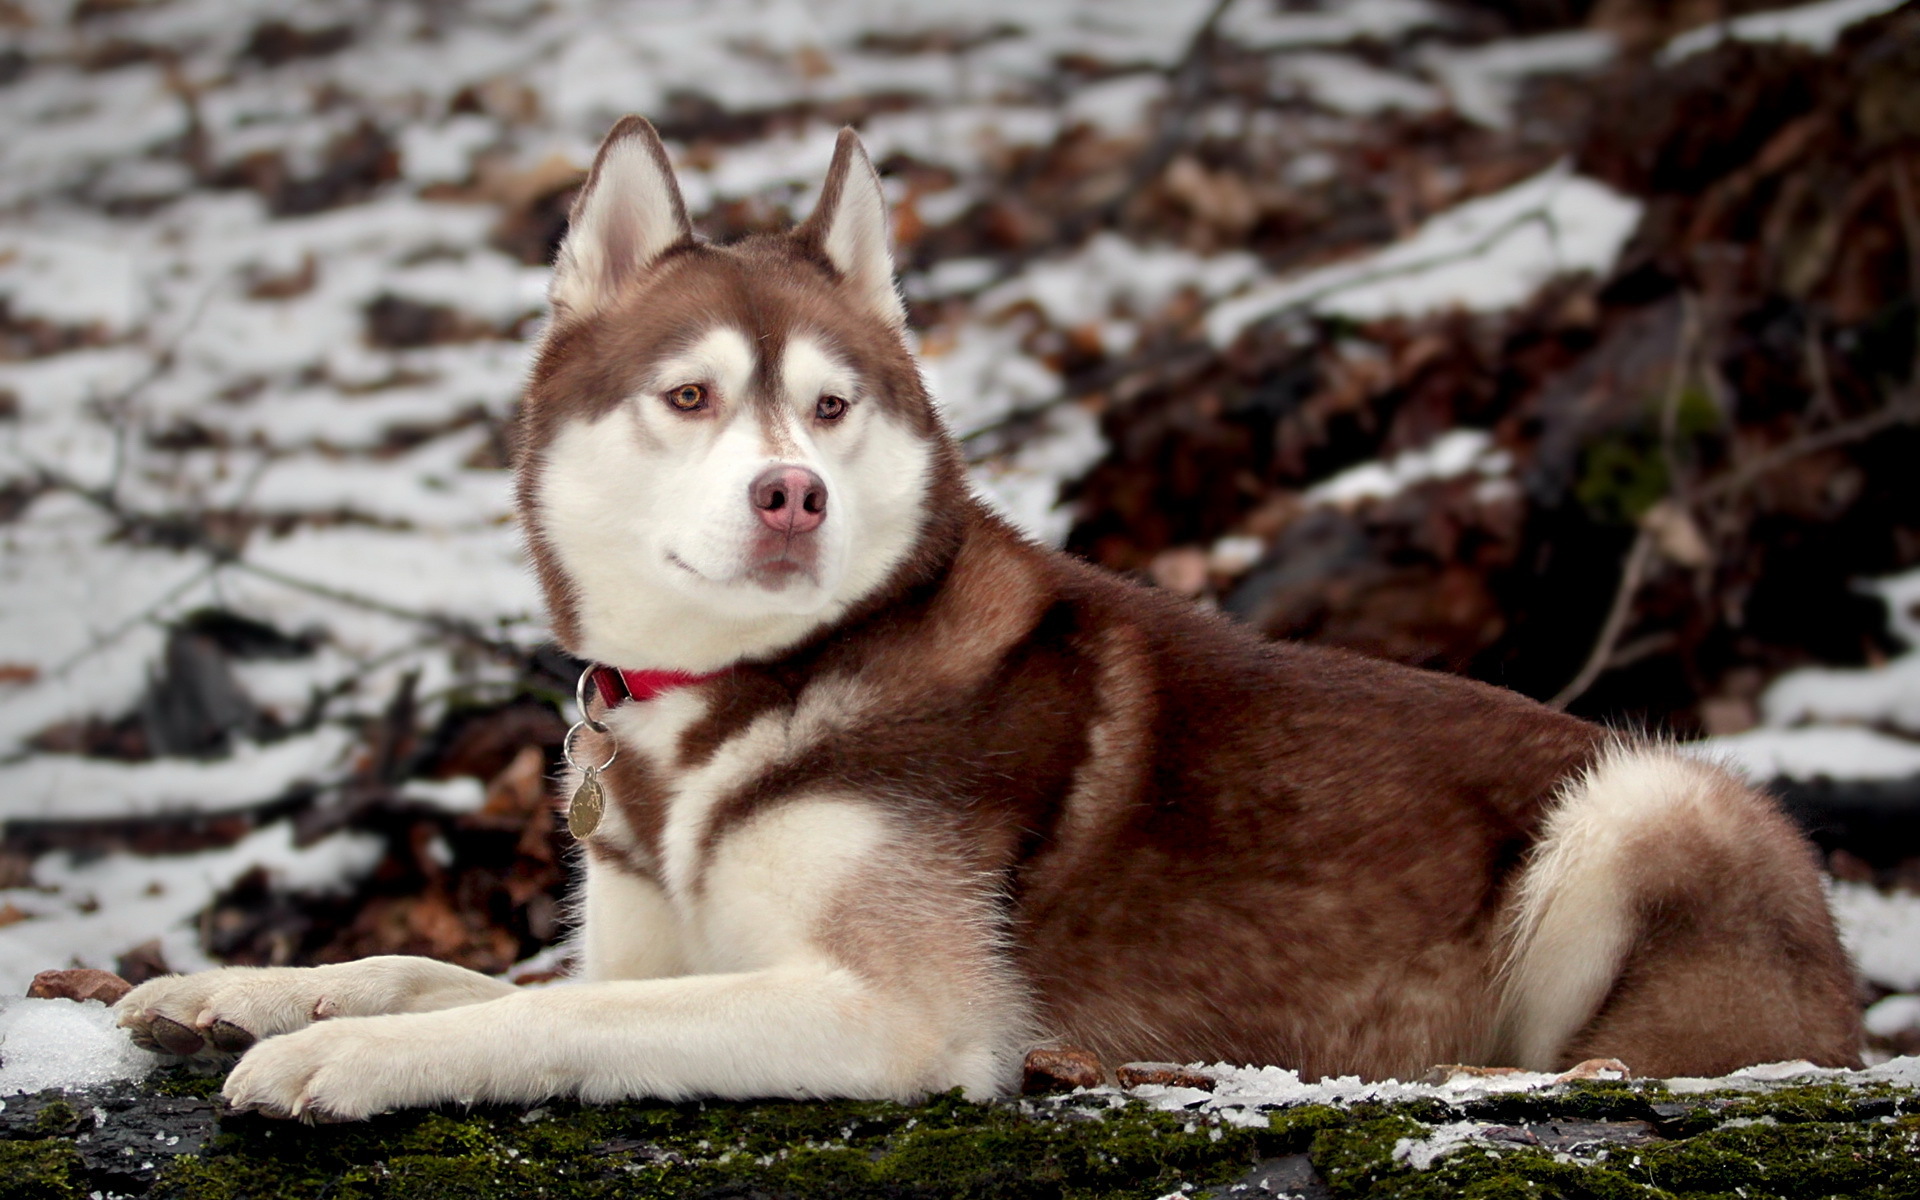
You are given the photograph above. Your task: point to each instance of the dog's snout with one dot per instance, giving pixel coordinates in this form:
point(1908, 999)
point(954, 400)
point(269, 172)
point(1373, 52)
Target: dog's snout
point(789, 499)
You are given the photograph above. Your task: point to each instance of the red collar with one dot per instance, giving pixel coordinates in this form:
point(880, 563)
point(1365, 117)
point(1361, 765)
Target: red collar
point(617, 686)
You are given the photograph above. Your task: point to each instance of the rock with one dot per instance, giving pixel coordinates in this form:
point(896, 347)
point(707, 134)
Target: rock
point(79, 983)
point(1133, 1075)
point(1059, 1071)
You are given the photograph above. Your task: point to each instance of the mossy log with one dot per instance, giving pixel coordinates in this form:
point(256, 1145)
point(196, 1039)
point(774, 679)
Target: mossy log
point(167, 1139)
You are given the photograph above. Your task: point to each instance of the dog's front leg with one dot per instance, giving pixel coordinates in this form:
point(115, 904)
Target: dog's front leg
point(803, 1030)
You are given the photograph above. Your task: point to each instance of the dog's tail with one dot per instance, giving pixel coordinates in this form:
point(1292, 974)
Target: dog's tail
point(1672, 917)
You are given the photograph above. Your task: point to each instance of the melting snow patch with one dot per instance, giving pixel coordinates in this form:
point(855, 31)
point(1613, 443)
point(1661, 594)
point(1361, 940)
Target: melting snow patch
point(1815, 752)
point(1482, 80)
point(63, 1044)
point(1892, 1015)
point(86, 913)
point(1815, 26)
point(1484, 255)
point(1421, 1153)
point(1882, 931)
point(1453, 454)
point(65, 787)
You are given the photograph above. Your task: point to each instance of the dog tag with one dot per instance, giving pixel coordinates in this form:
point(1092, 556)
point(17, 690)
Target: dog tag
point(583, 813)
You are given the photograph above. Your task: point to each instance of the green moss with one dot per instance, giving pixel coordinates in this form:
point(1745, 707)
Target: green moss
point(186, 1083)
point(1812, 1141)
point(946, 1148)
point(57, 1119)
point(1623, 472)
point(40, 1169)
point(1794, 1143)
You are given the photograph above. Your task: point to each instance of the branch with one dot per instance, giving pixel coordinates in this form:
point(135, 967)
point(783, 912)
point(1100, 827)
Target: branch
point(1601, 656)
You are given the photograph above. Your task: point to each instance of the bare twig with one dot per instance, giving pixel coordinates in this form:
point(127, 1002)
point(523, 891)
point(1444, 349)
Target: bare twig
point(1683, 354)
point(1601, 656)
point(1902, 409)
point(1910, 226)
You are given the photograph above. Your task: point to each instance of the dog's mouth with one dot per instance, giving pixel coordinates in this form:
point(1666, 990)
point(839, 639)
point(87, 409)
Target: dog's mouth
point(773, 573)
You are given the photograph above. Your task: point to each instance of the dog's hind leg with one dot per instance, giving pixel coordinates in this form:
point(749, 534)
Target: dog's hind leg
point(1673, 918)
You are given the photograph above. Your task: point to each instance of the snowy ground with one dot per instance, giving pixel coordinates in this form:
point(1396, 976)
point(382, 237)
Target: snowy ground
point(218, 402)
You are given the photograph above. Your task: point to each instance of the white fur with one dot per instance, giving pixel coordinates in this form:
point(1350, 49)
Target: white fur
point(628, 216)
point(646, 510)
point(768, 1013)
point(266, 1001)
point(856, 241)
point(1574, 921)
point(628, 929)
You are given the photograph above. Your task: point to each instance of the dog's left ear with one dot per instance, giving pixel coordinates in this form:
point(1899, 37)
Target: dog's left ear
point(850, 228)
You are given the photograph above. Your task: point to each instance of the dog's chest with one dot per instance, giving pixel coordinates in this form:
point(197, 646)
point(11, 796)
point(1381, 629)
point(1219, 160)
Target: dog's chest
point(670, 797)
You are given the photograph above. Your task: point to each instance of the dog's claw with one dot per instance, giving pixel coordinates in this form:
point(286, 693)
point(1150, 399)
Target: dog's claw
point(173, 1037)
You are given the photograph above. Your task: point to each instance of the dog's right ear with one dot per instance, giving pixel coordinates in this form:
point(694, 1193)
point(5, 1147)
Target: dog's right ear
point(627, 215)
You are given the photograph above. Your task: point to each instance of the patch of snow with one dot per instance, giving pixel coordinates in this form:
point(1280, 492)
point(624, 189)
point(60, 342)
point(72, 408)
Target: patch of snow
point(1025, 486)
point(1815, 26)
point(66, 787)
point(1119, 105)
point(1483, 80)
point(64, 1044)
point(1453, 454)
point(1813, 752)
point(1347, 85)
point(1882, 932)
point(87, 913)
point(1483, 255)
point(1111, 274)
point(1265, 26)
point(1242, 1093)
point(69, 281)
point(1887, 695)
point(1891, 1015)
point(1441, 1140)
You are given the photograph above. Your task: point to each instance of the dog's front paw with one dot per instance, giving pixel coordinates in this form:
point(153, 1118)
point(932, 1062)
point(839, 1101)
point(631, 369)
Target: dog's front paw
point(345, 1070)
point(176, 1015)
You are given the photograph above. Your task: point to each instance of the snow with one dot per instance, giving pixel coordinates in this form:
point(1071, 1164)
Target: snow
point(1348, 85)
point(1484, 255)
point(1242, 1094)
point(85, 912)
point(1422, 1153)
point(1819, 752)
point(1882, 932)
point(71, 788)
point(1453, 454)
point(1894, 1014)
point(1840, 723)
point(1815, 26)
point(1482, 81)
point(64, 1044)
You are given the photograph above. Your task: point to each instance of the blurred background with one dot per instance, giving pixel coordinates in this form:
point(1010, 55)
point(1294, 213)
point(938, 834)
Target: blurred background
point(1567, 344)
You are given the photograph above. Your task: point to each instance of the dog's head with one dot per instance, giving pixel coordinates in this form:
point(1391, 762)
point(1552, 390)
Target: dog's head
point(723, 449)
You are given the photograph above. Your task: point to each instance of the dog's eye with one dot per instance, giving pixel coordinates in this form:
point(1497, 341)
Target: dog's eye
point(688, 397)
point(830, 408)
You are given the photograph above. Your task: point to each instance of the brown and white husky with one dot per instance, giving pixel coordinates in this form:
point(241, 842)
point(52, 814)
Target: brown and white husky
point(896, 794)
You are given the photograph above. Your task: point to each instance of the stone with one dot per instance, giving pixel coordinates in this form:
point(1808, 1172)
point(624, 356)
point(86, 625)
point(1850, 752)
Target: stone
point(79, 983)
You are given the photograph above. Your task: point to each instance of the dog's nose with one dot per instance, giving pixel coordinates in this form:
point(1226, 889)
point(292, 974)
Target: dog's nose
point(789, 499)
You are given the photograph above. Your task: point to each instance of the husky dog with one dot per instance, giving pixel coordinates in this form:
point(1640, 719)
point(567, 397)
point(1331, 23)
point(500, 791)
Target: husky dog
point(893, 794)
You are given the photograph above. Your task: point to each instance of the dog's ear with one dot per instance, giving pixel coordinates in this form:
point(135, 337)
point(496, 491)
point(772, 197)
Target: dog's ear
point(628, 213)
point(850, 228)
